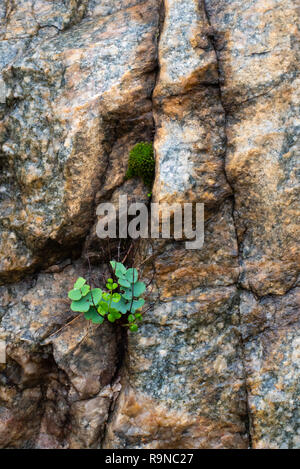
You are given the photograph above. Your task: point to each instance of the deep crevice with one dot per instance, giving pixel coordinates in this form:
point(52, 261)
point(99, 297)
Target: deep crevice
point(212, 38)
point(122, 353)
point(120, 365)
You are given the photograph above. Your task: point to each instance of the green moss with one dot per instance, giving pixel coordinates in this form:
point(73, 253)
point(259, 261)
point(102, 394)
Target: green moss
point(141, 163)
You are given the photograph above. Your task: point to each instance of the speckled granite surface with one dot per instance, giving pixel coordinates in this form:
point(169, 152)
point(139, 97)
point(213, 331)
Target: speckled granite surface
point(215, 84)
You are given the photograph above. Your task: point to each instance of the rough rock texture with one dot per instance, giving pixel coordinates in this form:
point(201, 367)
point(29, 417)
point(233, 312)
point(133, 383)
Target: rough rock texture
point(57, 387)
point(74, 101)
point(214, 83)
point(260, 94)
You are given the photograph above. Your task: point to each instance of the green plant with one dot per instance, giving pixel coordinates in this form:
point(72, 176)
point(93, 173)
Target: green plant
point(141, 163)
point(122, 299)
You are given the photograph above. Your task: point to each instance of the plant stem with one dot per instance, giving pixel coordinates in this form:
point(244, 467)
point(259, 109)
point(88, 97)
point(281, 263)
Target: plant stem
point(132, 291)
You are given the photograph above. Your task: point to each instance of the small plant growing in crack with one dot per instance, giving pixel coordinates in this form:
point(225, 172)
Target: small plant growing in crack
point(141, 163)
point(119, 303)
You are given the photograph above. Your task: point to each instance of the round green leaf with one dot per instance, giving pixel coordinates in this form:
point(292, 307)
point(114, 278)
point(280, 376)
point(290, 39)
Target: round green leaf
point(111, 317)
point(95, 295)
point(118, 268)
point(106, 296)
point(114, 286)
point(138, 289)
point(122, 306)
point(81, 306)
point(116, 297)
point(93, 316)
point(110, 280)
point(137, 304)
point(75, 294)
point(134, 327)
point(101, 311)
point(127, 294)
point(98, 320)
point(131, 318)
point(132, 275)
point(124, 283)
point(85, 289)
point(79, 282)
point(84, 303)
point(103, 305)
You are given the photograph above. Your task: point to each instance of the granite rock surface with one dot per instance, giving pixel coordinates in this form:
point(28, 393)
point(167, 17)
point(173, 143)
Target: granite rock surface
point(215, 85)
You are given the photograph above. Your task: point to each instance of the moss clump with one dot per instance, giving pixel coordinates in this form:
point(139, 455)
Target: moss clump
point(141, 163)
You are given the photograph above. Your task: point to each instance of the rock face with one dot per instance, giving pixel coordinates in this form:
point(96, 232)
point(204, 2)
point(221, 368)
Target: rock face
point(75, 98)
point(214, 84)
point(57, 388)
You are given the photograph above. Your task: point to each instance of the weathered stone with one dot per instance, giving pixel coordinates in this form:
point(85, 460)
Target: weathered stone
point(35, 308)
point(185, 375)
point(256, 43)
point(51, 349)
point(185, 365)
point(95, 249)
point(171, 400)
point(24, 18)
point(257, 52)
point(150, 425)
point(87, 420)
point(272, 360)
point(54, 430)
point(215, 363)
point(106, 7)
point(263, 148)
point(190, 135)
point(18, 428)
point(69, 98)
point(74, 350)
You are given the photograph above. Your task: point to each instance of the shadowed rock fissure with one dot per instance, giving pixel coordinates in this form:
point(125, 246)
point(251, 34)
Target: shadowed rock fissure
point(123, 345)
point(122, 333)
point(242, 345)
